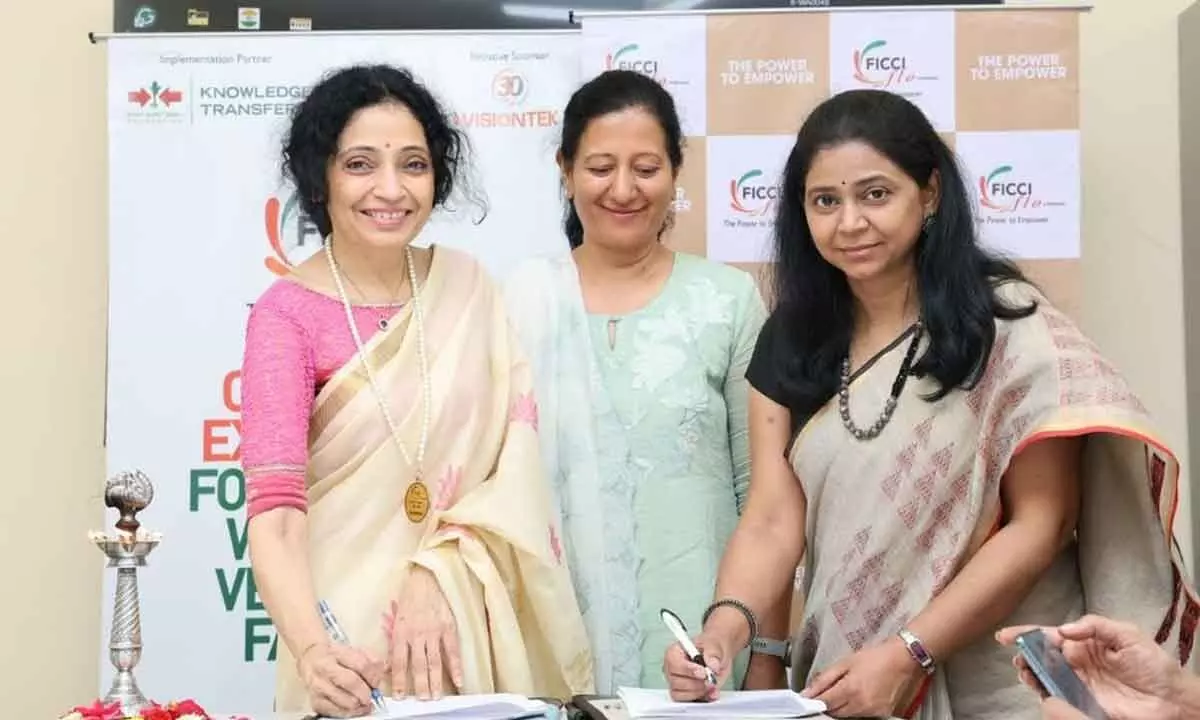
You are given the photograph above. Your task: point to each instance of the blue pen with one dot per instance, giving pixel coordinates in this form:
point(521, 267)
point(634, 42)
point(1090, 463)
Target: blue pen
point(335, 632)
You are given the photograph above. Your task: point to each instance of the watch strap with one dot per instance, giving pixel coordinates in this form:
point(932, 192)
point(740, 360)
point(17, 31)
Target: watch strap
point(781, 649)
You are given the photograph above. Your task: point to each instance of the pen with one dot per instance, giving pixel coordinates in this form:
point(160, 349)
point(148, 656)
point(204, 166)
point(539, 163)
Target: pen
point(335, 632)
point(675, 625)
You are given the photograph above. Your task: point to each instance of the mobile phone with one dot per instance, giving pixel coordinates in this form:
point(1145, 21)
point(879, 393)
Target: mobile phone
point(1055, 676)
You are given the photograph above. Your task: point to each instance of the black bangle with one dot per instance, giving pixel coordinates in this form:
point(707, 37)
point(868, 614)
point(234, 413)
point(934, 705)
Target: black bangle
point(740, 606)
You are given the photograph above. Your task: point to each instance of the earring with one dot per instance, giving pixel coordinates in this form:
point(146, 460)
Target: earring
point(927, 223)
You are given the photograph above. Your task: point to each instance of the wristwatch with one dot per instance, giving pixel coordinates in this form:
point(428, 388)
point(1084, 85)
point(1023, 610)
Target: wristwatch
point(781, 649)
point(917, 649)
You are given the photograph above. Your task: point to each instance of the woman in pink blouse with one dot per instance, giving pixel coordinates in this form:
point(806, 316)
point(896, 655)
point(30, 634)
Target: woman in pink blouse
point(390, 433)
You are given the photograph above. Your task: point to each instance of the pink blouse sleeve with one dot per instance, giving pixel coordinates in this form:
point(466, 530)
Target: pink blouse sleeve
point(278, 381)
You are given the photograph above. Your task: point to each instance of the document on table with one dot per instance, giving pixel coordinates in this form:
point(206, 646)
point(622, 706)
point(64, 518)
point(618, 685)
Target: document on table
point(747, 704)
point(463, 707)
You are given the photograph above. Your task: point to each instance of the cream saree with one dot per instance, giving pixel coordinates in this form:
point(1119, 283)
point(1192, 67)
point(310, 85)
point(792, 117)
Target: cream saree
point(489, 536)
point(892, 520)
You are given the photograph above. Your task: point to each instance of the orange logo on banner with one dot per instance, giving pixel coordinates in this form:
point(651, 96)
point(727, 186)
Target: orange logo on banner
point(280, 219)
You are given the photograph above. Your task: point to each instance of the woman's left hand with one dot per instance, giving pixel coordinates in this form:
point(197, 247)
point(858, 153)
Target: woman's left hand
point(872, 682)
point(425, 639)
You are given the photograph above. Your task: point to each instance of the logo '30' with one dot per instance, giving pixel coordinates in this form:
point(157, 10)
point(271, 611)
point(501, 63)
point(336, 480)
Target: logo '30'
point(509, 86)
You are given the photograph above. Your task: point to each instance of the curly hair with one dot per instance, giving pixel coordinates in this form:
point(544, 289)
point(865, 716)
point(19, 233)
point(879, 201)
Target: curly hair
point(317, 123)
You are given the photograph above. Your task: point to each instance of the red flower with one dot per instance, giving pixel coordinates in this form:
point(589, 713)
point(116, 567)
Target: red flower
point(187, 707)
point(156, 712)
point(99, 711)
point(113, 711)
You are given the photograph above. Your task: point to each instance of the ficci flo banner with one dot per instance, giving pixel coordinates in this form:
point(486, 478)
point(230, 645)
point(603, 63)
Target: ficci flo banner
point(1001, 85)
point(201, 224)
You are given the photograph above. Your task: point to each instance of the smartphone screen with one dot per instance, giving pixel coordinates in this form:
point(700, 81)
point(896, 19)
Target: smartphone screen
point(1056, 676)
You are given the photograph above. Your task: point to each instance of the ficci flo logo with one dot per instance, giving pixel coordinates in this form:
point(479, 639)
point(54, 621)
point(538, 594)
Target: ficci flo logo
point(874, 65)
point(289, 230)
point(510, 87)
point(626, 58)
point(751, 195)
point(1003, 191)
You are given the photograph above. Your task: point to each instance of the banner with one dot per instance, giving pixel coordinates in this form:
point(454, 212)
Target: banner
point(1001, 85)
point(200, 225)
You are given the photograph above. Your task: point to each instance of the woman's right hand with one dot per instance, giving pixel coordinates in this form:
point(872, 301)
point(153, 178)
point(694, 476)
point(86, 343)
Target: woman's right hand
point(339, 679)
point(686, 680)
point(1131, 676)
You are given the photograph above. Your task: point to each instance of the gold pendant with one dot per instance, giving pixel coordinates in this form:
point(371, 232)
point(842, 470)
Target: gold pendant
point(416, 501)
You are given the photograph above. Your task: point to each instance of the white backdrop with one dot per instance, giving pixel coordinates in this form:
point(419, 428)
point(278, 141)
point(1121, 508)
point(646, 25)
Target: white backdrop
point(199, 218)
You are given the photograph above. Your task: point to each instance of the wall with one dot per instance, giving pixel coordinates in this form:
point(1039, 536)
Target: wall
point(54, 212)
point(1132, 241)
point(1133, 289)
point(1189, 147)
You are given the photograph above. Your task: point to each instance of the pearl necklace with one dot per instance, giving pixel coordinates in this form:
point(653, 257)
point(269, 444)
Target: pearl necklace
point(426, 389)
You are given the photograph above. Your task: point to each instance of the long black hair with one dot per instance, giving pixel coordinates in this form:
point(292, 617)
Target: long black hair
point(609, 92)
point(956, 278)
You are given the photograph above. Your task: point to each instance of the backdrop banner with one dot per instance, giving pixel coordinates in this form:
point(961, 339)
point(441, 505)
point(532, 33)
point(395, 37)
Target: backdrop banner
point(201, 224)
point(1001, 85)
point(201, 221)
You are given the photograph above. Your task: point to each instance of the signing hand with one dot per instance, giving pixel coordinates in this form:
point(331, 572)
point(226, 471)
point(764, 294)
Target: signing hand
point(1130, 675)
point(872, 682)
point(686, 680)
point(425, 639)
point(339, 679)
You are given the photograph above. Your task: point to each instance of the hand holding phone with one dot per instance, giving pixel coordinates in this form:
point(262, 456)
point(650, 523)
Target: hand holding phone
point(1055, 675)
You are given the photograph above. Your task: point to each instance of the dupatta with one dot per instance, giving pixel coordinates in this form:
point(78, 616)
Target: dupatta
point(484, 525)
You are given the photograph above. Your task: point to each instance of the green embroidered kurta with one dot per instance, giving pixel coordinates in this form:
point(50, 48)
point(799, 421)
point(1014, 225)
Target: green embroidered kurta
point(652, 450)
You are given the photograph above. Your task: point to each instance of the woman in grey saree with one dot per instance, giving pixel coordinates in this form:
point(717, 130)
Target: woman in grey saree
point(943, 450)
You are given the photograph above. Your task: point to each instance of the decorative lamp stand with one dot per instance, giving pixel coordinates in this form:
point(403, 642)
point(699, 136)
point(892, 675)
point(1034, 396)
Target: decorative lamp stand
point(126, 550)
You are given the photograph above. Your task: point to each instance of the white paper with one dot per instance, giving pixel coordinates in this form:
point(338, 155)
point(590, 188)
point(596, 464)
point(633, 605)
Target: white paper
point(640, 703)
point(475, 707)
